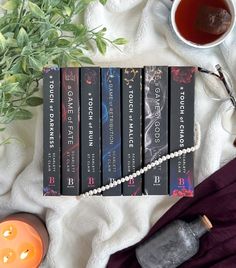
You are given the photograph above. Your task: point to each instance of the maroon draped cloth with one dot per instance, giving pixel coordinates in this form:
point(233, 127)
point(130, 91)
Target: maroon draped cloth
point(214, 197)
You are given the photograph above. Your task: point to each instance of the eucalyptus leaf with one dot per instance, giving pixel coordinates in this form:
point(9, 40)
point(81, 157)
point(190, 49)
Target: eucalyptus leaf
point(16, 67)
point(56, 19)
point(34, 101)
point(35, 64)
point(24, 65)
point(101, 44)
point(11, 87)
point(63, 42)
point(54, 3)
point(9, 35)
point(22, 37)
point(68, 10)
point(10, 27)
point(3, 42)
point(81, 5)
point(120, 41)
point(36, 11)
point(23, 114)
point(50, 34)
point(69, 27)
point(21, 78)
point(81, 30)
point(26, 51)
point(85, 60)
point(10, 5)
point(12, 43)
point(10, 79)
point(77, 53)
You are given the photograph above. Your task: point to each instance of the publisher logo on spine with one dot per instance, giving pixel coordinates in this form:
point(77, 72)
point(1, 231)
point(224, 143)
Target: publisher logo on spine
point(52, 181)
point(91, 181)
point(70, 181)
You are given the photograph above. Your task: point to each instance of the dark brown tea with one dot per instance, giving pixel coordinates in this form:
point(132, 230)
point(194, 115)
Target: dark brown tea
point(202, 21)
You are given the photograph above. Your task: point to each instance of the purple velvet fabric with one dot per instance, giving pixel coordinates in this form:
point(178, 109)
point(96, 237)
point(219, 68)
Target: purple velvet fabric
point(214, 197)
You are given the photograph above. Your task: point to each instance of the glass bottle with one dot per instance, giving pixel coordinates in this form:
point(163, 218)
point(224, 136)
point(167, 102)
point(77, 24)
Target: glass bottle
point(174, 244)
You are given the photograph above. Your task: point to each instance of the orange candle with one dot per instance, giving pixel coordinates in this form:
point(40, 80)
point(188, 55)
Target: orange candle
point(23, 241)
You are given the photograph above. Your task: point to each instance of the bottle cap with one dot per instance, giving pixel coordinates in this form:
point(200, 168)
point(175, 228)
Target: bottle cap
point(207, 222)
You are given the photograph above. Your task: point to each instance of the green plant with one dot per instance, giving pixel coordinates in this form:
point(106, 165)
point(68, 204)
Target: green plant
point(38, 33)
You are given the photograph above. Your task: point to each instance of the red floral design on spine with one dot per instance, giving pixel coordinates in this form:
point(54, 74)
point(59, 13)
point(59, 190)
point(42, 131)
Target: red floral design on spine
point(183, 192)
point(183, 75)
point(90, 77)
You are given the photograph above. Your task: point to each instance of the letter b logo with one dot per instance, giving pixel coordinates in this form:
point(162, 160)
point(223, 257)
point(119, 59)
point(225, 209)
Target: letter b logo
point(181, 181)
point(91, 181)
point(131, 181)
point(70, 181)
point(51, 180)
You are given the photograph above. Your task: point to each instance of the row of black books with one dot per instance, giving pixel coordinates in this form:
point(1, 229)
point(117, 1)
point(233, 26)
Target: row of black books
point(104, 123)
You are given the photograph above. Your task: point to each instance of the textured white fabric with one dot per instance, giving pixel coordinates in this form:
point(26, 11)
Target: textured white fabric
point(85, 232)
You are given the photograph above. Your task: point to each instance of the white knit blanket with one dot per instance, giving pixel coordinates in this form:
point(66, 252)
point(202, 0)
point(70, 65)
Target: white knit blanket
point(85, 232)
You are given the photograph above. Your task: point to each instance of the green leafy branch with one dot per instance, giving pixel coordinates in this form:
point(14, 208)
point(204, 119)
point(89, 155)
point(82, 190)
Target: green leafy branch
point(39, 33)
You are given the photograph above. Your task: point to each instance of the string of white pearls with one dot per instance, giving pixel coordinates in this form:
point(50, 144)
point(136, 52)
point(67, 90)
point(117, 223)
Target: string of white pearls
point(149, 166)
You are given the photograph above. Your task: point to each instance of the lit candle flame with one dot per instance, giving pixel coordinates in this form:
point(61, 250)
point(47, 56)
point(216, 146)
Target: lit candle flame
point(24, 254)
point(8, 232)
point(5, 259)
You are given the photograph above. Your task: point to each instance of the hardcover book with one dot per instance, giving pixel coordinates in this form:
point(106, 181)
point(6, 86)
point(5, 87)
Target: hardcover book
point(90, 130)
point(156, 128)
point(51, 131)
point(181, 129)
point(132, 128)
point(111, 129)
point(70, 131)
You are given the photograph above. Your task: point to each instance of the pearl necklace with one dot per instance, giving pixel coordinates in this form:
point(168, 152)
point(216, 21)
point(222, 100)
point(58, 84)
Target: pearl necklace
point(197, 132)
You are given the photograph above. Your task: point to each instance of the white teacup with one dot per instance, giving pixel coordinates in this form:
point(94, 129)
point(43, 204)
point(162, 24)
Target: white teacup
point(232, 9)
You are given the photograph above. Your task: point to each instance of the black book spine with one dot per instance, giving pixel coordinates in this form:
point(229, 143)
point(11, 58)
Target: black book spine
point(51, 131)
point(70, 131)
point(156, 128)
point(182, 82)
point(111, 129)
point(132, 128)
point(90, 130)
